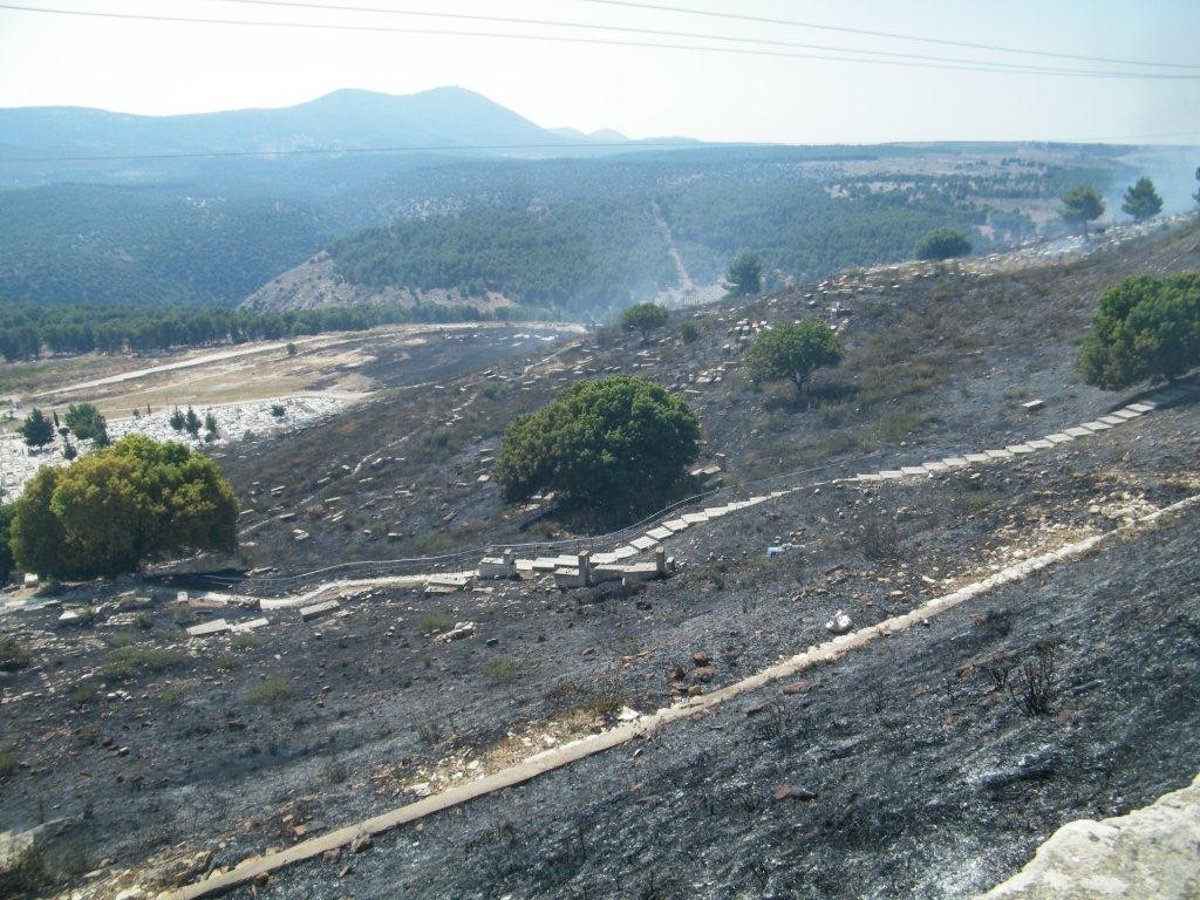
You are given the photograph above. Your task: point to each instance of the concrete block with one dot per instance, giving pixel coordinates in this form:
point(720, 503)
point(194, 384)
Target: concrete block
point(998, 454)
point(660, 533)
point(1126, 413)
point(978, 458)
point(676, 525)
point(1096, 426)
point(1112, 420)
point(216, 626)
point(936, 467)
point(888, 474)
point(914, 470)
point(1059, 438)
point(1040, 444)
point(308, 613)
point(625, 552)
point(643, 543)
point(955, 462)
point(695, 518)
point(239, 627)
point(1033, 405)
point(1020, 449)
point(1144, 406)
point(1078, 432)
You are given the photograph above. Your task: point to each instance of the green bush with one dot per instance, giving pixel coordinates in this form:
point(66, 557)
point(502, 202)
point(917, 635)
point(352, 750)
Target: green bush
point(13, 654)
point(1146, 326)
point(792, 352)
point(106, 512)
point(616, 445)
point(943, 243)
point(644, 318)
point(271, 691)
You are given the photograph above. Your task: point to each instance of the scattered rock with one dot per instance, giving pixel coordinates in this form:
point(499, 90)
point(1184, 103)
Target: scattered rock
point(360, 843)
point(839, 624)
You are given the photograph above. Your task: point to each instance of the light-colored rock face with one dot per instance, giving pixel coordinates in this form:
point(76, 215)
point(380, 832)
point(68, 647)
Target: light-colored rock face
point(1151, 854)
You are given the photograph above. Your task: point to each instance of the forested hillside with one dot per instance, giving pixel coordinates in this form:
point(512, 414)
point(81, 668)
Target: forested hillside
point(72, 243)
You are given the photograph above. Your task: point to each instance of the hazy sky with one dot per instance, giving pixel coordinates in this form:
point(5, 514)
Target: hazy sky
point(170, 67)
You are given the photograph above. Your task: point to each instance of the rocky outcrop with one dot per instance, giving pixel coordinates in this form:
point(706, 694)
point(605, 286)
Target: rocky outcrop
point(1150, 853)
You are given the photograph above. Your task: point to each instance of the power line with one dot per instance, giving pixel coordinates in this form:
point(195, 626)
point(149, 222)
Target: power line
point(741, 17)
point(558, 23)
point(982, 66)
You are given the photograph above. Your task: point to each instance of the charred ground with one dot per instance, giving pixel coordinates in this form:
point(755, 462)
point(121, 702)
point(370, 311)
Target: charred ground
point(913, 770)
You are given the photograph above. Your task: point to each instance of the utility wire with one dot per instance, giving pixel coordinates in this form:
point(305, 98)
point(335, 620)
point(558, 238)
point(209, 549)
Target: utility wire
point(743, 51)
point(653, 32)
point(741, 17)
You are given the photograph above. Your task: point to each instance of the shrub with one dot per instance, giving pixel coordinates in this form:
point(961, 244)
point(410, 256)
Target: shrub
point(500, 669)
point(271, 691)
point(689, 332)
point(13, 654)
point(644, 318)
point(435, 623)
point(792, 352)
point(106, 512)
point(125, 662)
point(617, 444)
point(943, 243)
point(1145, 326)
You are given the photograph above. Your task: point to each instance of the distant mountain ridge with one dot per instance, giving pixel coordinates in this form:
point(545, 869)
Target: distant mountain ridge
point(443, 118)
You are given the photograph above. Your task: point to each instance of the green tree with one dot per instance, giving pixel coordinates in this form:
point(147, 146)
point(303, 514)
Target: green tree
point(7, 512)
point(69, 452)
point(616, 444)
point(745, 274)
point(192, 422)
point(85, 421)
point(1196, 196)
point(943, 243)
point(1080, 206)
point(645, 318)
point(210, 427)
point(107, 512)
point(1145, 326)
point(792, 352)
point(37, 430)
point(178, 419)
point(1142, 200)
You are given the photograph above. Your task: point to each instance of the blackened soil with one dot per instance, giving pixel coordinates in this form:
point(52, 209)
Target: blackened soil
point(911, 772)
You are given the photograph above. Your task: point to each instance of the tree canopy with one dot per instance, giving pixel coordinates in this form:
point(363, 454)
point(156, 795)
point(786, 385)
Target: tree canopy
point(943, 243)
point(1146, 326)
point(745, 274)
point(644, 318)
point(792, 352)
point(1082, 205)
point(1142, 200)
point(107, 512)
point(616, 444)
point(7, 511)
point(86, 423)
point(37, 429)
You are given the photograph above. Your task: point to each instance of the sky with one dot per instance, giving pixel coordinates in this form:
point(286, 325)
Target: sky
point(802, 96)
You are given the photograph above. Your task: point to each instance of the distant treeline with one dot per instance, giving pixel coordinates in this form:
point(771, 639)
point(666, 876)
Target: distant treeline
point(26, 331)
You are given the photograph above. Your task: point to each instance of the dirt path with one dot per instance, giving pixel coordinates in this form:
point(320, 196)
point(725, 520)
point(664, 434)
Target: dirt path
point(685, 280)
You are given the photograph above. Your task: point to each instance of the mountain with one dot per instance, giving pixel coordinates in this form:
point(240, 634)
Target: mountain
point(447, 117)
